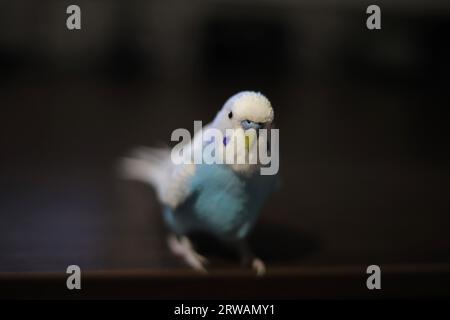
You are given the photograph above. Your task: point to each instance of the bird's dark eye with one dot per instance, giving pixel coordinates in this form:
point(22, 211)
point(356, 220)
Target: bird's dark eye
point(230, 115)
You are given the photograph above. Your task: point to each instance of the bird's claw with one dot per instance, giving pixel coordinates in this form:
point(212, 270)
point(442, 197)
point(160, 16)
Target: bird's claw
point(258, 266)
point(183, 248)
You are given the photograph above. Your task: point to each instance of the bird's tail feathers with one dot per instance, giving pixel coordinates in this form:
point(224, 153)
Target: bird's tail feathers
point(149, 165)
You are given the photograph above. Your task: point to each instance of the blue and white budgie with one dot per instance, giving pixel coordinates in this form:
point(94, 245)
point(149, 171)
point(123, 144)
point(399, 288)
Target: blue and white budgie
point(222, 200)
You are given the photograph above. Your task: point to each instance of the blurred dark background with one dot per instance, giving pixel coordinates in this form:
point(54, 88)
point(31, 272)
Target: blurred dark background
point(363, 117)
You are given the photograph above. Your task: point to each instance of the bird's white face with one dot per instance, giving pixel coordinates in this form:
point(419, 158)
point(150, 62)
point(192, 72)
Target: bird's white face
point(245, 110)
point(245, 113)
point(248, 110)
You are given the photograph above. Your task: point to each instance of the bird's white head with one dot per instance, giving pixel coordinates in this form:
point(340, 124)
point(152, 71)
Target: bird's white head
point(245, 113)
point(246, 110)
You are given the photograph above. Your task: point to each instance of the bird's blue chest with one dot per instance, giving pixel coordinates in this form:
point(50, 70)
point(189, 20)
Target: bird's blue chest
point(222, 202)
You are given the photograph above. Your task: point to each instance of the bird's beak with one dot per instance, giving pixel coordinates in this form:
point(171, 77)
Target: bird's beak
point(249, 135)
point(247, 124)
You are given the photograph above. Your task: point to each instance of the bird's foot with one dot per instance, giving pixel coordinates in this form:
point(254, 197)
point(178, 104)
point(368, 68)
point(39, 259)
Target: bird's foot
point(248, 259)
point(258, 266)
point(182, 246)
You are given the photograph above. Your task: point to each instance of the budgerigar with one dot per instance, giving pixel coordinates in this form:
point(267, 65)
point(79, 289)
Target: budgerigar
point(222, 200)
